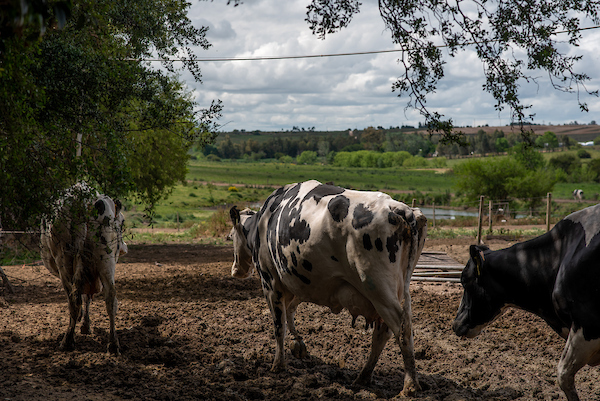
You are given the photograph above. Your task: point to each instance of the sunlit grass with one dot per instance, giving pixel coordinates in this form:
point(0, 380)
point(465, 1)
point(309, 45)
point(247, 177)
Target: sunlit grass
point(465, 232)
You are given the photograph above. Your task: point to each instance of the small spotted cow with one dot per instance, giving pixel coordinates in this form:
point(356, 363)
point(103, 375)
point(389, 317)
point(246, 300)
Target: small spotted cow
point(339, 248)
point(578, 195)
point(81, 246)
point(556, 276)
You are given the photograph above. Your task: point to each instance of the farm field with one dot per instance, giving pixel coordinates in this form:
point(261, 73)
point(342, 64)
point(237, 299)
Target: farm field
point(189, 331)
point(277, 174)
point(213, 185)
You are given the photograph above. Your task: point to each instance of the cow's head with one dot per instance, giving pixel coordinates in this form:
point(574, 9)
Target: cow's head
point(481, 302)
point(242, 256)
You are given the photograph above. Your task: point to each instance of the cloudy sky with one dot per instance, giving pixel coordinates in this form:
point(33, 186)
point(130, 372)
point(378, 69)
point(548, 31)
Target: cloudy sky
point(336, 93)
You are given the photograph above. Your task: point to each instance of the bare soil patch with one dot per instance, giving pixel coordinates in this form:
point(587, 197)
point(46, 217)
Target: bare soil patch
point(190, 331)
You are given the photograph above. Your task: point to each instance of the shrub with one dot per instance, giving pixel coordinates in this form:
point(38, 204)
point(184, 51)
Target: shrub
point(568, 163)
point(583, 154)
point(415, 161)
point(217, 225)
point(307, 157)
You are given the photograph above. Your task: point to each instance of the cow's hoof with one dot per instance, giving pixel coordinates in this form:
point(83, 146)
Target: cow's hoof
point(362, 381)
point(410, 389)
point(67, 343)
point(85, 329)
point(299, 350)
point(66, 346)
point(277, 368)
point(114, 349)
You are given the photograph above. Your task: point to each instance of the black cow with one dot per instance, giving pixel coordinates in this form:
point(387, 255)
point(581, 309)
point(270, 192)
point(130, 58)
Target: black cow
point(339, 248)
point(555, 276)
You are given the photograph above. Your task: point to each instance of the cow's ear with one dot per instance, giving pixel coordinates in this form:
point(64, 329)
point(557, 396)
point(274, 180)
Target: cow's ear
point(476, 253)
point(234, 213)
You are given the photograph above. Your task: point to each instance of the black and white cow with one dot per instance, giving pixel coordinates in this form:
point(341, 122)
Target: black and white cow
point(556, 276)
point(340, 248)
point(578, 194)
point(81, 246)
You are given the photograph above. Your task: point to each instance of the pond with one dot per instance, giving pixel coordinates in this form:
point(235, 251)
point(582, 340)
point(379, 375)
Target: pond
point(446, 213)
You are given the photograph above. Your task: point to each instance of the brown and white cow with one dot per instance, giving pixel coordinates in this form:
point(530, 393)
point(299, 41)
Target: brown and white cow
point(81, 246)
point(339, 248)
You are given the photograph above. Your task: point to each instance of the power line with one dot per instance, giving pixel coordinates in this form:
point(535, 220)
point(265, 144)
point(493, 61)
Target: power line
point(271, 57)
point(264, 58)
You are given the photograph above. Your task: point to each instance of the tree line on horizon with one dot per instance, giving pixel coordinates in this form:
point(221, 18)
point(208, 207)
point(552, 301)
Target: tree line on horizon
point(422, 144)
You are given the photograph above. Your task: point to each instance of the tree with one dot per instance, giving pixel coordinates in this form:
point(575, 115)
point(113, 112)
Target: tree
point(503, 179)
point(501, 145)
point(527, 156)
point(547, 141)
point(532, 187)
point(31, 17)
point(570, 164)
point(594, 169)
point(307, 157)
point(495, 30)
point(78, 104)
point(487, 177)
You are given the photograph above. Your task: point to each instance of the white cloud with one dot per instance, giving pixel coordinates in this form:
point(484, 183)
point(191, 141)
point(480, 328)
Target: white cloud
point(351, 91)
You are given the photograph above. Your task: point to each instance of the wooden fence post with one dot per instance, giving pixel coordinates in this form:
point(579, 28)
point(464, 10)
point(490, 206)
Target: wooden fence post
point(414, 202)
point(433, 214)
point(490, 216)
point(548, 208)
point(480, 219)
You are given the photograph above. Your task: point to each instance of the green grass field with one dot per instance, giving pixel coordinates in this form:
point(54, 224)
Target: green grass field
point(213, 186)
point(277, 174)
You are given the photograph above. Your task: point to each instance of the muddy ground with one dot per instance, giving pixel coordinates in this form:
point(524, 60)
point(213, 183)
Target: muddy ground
point(189, 331)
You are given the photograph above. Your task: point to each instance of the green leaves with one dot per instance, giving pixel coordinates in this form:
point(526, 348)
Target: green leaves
point(513, 40)
point(504, 179)
point(83, 89)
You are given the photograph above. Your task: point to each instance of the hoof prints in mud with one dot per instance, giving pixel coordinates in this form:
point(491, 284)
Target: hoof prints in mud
point(189, 331)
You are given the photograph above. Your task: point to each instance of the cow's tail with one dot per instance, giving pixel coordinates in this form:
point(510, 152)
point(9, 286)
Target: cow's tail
point(412, 231)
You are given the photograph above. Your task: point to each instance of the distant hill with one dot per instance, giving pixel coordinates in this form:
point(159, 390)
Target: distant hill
point(580, 133)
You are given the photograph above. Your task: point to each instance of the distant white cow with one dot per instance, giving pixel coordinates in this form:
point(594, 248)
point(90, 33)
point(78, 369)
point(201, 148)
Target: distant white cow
point(578, 194)
point(81, 246)
point(340, 248)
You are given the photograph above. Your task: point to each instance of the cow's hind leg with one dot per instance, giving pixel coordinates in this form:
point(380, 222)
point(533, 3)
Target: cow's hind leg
point(411, 384)
point(85, 326)
point(298, 347)
point(397, 316)
point(111, 308)
point(107, 277)
point(381, 335)
point(74, 299)
point(276, 304)
point(576, 354)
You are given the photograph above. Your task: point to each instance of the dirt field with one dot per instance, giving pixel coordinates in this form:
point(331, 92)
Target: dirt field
point(189, 331)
